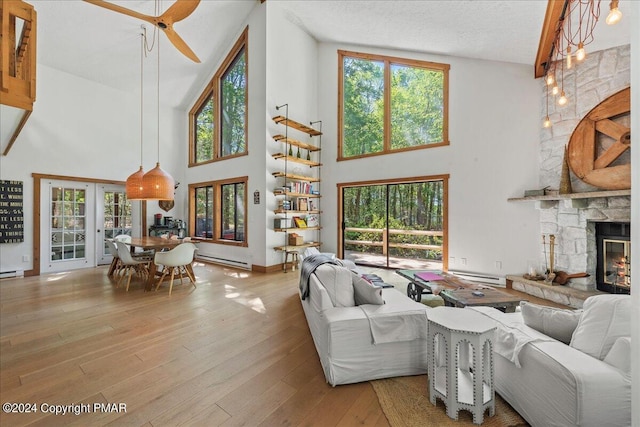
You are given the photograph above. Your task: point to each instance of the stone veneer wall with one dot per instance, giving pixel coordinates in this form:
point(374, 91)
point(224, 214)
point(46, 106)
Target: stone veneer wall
point(599, 76)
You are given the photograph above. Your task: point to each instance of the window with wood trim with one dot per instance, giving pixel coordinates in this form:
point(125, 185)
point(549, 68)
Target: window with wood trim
point(218, 120)
point(390, 104)
point(218, 211)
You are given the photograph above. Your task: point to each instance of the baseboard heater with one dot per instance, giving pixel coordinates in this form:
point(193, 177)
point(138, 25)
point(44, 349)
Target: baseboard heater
point(11, 273)
point(489, 279)
point(224, 261)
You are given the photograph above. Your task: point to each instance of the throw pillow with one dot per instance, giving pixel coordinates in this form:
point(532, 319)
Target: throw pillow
point(365, 292)
point(604, 320)
point(337, 281)
point(556, 323)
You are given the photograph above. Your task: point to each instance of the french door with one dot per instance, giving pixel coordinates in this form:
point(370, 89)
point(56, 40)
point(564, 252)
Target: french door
point(113, 216)
point(76, 217)
point(67, 224)
point(395, 224)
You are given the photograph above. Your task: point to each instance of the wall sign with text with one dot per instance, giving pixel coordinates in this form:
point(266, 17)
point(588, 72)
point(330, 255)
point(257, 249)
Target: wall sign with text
point(11, 214)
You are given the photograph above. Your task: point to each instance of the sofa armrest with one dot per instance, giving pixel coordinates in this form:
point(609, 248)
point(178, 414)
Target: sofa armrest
point(559, 385)
point(620, 355)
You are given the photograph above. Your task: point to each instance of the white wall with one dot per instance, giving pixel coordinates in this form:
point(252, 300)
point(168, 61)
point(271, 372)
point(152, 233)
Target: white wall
point(251, 165)
point(82, 129)
point(494, 135)
point(292, 73)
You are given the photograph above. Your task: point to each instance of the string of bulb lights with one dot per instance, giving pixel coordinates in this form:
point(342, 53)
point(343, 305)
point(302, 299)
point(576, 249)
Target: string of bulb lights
point(585, 14)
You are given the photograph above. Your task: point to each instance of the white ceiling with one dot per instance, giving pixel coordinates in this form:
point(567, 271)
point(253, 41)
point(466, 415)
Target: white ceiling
point(104, 46)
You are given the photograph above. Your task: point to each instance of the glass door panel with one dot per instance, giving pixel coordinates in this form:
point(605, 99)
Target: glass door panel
point(364, 220)
point(394, 225)
point(115, 217)
point(67, 233)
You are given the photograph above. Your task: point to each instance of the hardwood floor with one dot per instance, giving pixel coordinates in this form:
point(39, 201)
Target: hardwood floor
point(235, 351)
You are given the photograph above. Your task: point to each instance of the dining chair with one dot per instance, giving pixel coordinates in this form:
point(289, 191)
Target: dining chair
point(113, 251)
point(140, 254)
point(176, 261)
point(130, 264)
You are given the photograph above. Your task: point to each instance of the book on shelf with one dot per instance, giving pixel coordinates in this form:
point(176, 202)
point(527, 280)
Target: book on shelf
point(302, 204)
point(300, 222)
point(313, 221)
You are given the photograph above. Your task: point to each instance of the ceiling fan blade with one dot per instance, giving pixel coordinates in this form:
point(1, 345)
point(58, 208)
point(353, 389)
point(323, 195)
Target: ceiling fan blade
point(123, 10)
point(180, 44)
point(179, 10)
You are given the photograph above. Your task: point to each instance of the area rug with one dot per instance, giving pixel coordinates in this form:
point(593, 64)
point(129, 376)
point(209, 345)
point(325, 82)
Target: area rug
point(405, 403)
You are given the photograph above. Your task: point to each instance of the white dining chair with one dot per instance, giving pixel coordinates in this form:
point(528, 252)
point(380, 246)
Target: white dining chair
point(176, 261)
point(130, 264)
point(113, 251)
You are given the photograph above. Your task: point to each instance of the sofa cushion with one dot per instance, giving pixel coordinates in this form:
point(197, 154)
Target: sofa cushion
point(605, 318)
point(365, 292)
point(337, 281)
point(556, 323)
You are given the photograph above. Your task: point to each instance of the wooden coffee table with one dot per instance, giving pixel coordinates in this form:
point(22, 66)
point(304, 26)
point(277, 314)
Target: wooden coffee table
point(458, 292)
point(489, 298)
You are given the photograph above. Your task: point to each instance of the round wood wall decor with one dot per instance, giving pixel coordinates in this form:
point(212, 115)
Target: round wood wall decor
point(600, 138)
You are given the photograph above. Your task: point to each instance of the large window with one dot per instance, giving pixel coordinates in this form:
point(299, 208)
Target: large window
point(390, 104)
point(218, 120)
point(218, 211)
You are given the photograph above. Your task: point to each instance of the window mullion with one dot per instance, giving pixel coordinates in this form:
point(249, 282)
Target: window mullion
point(387, 107)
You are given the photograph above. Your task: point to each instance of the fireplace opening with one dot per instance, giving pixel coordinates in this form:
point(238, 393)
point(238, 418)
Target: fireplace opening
point(613, 268)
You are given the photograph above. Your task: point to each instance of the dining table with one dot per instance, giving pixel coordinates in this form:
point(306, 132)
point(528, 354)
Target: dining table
point(156, 244)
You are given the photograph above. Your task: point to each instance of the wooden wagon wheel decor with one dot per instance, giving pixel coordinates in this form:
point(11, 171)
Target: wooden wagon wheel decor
point(593, 154)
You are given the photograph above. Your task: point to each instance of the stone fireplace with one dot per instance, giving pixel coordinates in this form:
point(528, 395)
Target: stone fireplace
point(573, 222)
point(573, 218)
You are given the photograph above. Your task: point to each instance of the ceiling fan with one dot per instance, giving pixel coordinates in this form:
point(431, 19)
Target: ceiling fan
point(177, 12)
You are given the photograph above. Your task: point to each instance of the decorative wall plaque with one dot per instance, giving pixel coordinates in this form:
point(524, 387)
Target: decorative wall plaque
point(11, 214)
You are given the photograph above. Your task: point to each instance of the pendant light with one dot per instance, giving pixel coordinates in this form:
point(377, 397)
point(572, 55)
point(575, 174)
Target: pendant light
point(158, 185)
point(134, 187)
point(614, 13)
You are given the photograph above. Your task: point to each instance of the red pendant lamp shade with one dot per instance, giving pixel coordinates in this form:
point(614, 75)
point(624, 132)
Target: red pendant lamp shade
point(158, 185)
point(135, 186)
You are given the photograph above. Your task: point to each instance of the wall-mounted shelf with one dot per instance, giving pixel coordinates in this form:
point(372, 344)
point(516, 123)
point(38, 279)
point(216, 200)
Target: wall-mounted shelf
point(296, 143)
point(296, 247)
point(297, 189)
point(293, 194)
point(287, 230)
point(296, 160)
point(587, 195)
point(296, 177)
point(578, 200)
point(297, 125)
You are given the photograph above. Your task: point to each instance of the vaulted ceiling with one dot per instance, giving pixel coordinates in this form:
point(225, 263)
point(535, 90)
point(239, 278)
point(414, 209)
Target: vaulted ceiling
point(103, 46)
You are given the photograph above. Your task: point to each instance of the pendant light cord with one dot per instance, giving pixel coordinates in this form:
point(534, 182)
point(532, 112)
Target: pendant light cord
point(158, 41)
point(142, 42)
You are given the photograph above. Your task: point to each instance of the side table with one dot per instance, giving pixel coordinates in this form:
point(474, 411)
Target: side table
point(460, 379)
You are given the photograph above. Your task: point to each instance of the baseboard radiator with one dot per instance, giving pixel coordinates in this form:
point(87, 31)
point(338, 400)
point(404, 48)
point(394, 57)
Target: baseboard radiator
point(489, 279)
point(224, 261)
point(11, 273)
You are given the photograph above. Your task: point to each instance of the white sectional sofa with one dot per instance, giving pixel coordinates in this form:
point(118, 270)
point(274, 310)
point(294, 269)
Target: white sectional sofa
point(584, 381)
point(367, 341)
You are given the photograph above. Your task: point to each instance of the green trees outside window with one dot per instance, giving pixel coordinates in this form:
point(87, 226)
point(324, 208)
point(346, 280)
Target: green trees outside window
point(218, 119)
point(218, 211)
point(233, 103)
point(232, 210)
point(204, 132)
point(391, 104)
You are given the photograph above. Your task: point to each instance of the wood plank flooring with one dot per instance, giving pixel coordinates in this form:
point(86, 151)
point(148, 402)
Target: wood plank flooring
point(235, 351)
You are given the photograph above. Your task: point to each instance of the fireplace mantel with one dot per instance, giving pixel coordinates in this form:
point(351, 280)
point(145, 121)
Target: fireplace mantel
point(578, 200)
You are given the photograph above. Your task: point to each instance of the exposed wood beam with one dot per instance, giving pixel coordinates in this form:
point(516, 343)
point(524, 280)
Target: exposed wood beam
point(23, 121)
point(552, 19)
